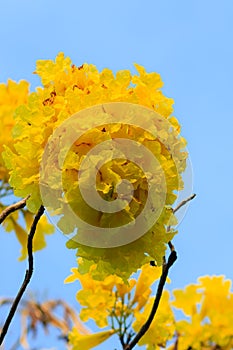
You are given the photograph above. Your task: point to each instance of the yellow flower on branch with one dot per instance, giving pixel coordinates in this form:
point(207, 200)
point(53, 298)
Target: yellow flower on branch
point(207, 305)
point(68, 89)
point(146, 279)
point(162, 328)
point(111, 297)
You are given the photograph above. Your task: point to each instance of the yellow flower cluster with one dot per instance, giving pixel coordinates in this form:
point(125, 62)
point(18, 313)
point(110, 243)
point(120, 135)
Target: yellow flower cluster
point(68, 89)
point(113, 302)
point(207, 306)
point(98, 298)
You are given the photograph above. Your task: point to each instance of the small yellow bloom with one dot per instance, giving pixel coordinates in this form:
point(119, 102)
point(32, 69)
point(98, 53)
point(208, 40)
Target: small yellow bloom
point(187, 299)
point(88, 341)
point(209, 303)
point(146, 278)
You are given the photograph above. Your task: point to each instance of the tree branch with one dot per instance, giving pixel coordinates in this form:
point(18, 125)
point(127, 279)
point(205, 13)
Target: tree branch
point(28, 273)
point(172, 258)
point(185, 201)
point(19, 205)
point(180, 205)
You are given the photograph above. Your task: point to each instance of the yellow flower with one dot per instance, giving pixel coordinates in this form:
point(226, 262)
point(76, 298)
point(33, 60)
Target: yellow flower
point(193, 334)
point(111, 296)
point(146, 278)
point(96, 297)
point(12, 95)
point(20, 223)
point(87, 341)
point(209, 304)
point(187, 299)
point(15, 95)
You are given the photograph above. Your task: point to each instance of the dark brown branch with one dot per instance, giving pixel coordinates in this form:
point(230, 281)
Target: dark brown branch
point(172, 258)
point(185, 201)
point(27, 277)
point(19, 205)
point(171, 246)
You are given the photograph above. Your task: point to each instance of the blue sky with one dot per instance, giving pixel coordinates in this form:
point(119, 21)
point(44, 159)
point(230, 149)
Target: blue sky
point(190, 44)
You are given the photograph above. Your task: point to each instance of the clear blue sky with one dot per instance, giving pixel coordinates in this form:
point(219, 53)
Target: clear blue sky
point(190, 44)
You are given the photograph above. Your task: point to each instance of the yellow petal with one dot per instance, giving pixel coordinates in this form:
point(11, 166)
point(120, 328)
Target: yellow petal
point(86, 342)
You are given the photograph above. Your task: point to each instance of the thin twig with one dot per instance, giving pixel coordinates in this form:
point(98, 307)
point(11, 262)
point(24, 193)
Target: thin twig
point(172, 258)
point(16, 206)
point(180, 205)
point(185, 201)
point(27, 277)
